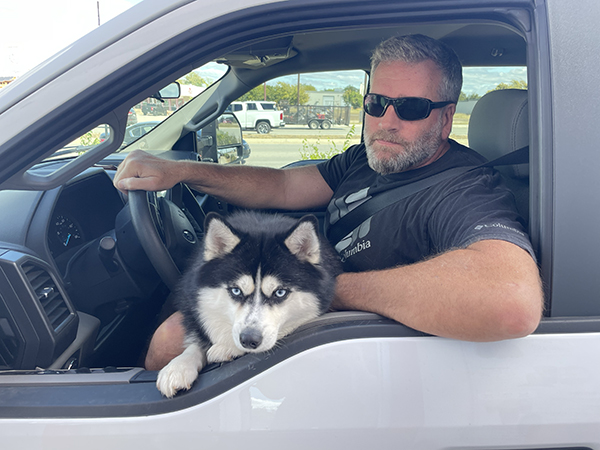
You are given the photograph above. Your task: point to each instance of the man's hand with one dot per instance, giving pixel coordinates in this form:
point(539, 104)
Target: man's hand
point(141, 171)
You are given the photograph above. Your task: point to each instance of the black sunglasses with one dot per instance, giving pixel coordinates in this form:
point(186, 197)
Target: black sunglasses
point(407, 108)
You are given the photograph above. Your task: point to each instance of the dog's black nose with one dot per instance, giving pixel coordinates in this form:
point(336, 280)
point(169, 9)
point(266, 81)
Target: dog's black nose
point(250, 338)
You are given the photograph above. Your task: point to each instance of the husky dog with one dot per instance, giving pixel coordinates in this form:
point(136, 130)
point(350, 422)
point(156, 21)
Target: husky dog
point(257, 278)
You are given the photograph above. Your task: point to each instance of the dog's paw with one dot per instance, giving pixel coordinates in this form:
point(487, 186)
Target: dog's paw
point(181, 372)
point(219, 353)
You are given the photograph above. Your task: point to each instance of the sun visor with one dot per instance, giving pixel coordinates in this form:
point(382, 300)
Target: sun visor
point(261, 55)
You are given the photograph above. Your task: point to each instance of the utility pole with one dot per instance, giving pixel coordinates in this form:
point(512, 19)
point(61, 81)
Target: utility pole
point(298, 102)
point(98, 9)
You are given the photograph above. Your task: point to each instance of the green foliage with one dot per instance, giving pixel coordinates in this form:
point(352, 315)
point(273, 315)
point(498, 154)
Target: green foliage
point(285, 92)
point(89, 139)
point(464, 97)
point(352, 96)
point(312, 151)
point(514, 84)
point(346, 143)
point(281, 92)
point(255, 94)
point(194, 79)
point(224, 139)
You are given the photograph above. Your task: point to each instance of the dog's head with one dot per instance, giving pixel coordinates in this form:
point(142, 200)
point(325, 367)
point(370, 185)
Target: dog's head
point(264, 276)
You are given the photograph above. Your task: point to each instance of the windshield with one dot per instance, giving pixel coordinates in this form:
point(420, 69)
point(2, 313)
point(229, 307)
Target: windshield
point(324, 120)
point(147, 115)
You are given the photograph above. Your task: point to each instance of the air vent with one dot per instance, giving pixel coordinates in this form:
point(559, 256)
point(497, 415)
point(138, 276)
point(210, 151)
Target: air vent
point(47, 294)
point(9, 344)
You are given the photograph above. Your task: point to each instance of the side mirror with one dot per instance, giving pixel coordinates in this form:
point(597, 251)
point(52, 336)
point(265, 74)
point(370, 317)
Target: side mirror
point(221, 141)
point(229, 139)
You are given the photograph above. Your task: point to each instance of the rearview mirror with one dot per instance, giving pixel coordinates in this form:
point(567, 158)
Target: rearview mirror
point(171, 91)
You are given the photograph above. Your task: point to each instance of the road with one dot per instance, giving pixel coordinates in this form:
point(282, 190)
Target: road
point(336, 131)
point(286, 145)
point(302, 131)
point(278, 153)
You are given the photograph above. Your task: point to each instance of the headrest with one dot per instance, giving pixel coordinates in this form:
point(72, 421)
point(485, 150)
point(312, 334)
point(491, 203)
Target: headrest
point(499, 124)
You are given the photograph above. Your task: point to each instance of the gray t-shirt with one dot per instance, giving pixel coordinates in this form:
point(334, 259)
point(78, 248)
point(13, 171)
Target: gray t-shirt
point(452, 214)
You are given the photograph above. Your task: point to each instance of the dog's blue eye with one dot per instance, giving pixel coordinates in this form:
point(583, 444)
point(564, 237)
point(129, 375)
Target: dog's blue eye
point(280, 293)
point(236, 292)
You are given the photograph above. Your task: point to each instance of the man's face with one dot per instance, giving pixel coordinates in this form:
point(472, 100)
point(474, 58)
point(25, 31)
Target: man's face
point(395, 145)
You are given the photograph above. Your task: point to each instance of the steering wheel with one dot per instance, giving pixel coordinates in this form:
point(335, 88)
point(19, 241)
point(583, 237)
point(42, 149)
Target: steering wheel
point(165, 232)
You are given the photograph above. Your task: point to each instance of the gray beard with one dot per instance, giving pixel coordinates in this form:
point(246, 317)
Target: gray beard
point(414, 152)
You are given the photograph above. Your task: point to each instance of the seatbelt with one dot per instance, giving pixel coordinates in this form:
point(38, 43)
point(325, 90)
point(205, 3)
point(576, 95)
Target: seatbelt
point(358, 215)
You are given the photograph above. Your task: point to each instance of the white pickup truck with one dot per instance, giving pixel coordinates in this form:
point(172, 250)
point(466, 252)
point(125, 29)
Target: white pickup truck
point(261, 116)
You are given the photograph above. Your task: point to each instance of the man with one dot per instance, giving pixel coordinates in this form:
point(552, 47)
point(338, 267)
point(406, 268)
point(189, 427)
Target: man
point(429, 261)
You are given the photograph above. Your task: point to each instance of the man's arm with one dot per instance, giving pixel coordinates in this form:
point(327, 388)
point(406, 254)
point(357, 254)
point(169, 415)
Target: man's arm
point(252, 187)
point(489, 291)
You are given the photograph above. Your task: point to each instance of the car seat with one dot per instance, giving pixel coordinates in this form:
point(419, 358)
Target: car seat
point(499, 124)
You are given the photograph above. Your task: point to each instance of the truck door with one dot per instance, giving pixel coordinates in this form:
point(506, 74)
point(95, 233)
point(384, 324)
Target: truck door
point(251, 110)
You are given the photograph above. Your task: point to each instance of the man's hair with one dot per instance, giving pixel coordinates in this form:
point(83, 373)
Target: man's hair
point(416, 48)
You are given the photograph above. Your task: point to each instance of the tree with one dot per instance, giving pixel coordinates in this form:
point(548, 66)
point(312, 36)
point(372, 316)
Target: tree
point(281, 92)
point(514, 84)
point(464, 97)
point(255, 94)
point(288, 93)
point(194, 79)
point(352, 96)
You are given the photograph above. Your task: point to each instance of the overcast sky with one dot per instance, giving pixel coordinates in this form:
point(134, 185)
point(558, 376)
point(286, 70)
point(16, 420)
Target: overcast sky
point(31, 31)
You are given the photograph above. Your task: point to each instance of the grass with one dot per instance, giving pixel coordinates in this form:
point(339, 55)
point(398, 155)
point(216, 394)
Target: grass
point(461, 118)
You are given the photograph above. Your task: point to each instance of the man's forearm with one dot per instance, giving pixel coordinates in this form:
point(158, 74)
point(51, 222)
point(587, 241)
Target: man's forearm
point(248, 186)
point(490, 291)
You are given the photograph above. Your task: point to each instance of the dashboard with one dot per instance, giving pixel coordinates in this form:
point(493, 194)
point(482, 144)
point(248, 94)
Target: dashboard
point(85, 210)
point(53, 256)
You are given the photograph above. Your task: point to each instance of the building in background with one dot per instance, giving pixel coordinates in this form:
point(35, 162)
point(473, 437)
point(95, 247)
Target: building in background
point(326, 98)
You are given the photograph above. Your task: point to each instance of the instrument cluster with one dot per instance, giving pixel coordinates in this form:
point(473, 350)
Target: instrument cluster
point(65, 233)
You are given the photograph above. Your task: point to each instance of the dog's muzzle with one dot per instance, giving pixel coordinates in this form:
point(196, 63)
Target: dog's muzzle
point(251, 338)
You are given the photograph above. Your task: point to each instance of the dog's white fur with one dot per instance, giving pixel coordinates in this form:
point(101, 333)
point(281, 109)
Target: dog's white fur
point(182, 371)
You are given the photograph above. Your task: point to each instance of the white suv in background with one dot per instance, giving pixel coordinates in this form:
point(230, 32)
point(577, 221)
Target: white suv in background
point(259, 116)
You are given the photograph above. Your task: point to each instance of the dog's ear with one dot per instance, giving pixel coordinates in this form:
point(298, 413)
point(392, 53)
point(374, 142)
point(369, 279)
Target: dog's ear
point(303, 240)
point(219, 238)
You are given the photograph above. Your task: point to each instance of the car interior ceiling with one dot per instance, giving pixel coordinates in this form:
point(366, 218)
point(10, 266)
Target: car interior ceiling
point(475, 44)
